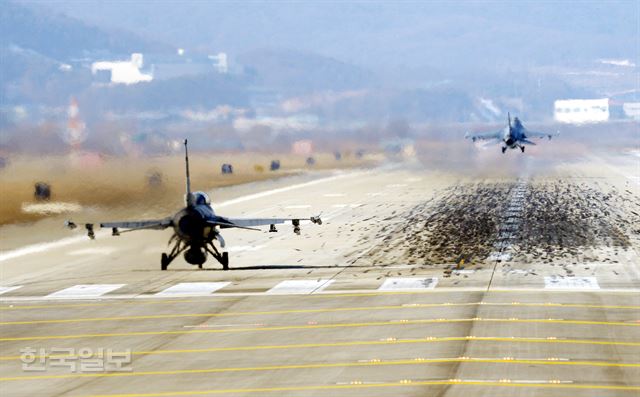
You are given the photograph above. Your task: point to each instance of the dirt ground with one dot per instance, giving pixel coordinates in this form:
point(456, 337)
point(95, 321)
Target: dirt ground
point(154, 181)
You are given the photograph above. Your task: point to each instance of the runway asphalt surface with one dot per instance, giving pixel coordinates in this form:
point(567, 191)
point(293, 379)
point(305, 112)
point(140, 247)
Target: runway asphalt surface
point(374, 302)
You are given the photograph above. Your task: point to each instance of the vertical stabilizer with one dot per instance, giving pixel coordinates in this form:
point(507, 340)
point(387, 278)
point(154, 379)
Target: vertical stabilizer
point(189, 196)
point(509, 119)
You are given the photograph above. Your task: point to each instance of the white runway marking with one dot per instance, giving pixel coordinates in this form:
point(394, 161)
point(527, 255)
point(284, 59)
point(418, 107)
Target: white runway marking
point(93, 251)
point(50, 208)
point(248, 248)
point(4, 290)
point(35, 248)
point(300, 286)
point(192, 289)
point(285, 189)
point(555, 282)
point(497, 256)
point(396, 283)
point(85, 291)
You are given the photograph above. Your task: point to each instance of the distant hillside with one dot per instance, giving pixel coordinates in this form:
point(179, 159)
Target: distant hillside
point(62, 38)
point(296, 71)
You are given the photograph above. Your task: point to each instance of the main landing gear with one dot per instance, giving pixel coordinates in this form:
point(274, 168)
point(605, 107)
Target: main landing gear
point(522, 148)
point(194, 254)
point(504, 149)
point(223, 257)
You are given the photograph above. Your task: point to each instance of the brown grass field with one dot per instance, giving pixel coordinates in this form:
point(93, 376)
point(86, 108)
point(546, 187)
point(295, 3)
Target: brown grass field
point(119, 182)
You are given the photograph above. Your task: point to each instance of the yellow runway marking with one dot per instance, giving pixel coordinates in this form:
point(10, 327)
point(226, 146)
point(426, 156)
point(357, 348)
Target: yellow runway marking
point(377, 363)
point(326, 326)
point(160, 301)
point(324, 310)
point(404, 383)
point(357, 343)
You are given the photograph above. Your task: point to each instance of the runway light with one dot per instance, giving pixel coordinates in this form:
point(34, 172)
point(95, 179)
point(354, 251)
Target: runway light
point(430, 338)
point(463, 358)
point(355, 382)
point(471, 337)
point(508, 358)
point(505, 381)
point(515, 303)
point(405, 381)
point(455, 380)
point(555, 381)
point(551, 337)
point(391, 339)
point(553, 359)
point(513, 318)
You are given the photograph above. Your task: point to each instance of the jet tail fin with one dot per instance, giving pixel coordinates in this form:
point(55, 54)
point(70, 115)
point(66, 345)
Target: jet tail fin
point(189, 196)
point(509, 119)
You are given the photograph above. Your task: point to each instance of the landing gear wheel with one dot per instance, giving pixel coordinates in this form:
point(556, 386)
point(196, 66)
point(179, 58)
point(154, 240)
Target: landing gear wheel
point(164, 262)
point(224, 260)
point(522, 148)
point(199, 265)
point(504, 149)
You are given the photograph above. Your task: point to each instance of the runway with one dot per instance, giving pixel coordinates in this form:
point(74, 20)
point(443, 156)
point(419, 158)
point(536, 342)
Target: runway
point(373, 302)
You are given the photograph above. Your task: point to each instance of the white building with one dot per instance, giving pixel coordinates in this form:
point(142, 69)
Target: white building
point(123, 72)
point(579, 111)
point(222, 63)
point(632, 110)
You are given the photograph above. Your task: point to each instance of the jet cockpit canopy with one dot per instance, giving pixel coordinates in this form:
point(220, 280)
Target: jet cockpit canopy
point(200, 198)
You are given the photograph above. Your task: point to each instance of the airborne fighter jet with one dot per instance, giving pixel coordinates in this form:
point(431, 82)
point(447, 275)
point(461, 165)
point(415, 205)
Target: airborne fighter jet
point(511, 136)
point(195, 227)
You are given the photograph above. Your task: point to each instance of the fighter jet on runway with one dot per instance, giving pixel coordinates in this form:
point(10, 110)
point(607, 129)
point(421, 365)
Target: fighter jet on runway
point(511, 136)
point(195, 228)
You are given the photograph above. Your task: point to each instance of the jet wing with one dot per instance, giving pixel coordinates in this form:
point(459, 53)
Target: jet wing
point(485, 136)
point(157, 224)
point(252, 222)
point(540, 135)
point(151, 224)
